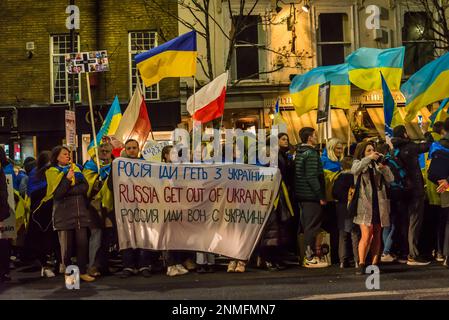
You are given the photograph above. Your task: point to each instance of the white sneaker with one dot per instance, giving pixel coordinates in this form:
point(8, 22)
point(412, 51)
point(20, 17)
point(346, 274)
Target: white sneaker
point(387, 258)
point(47, 273)
point(440, 257)
point(315, 262)
point(181, 269)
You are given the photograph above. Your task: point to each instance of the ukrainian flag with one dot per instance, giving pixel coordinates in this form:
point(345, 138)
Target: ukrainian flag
point(175, 58)
point(440, 115)
point(109, 126)
point(304, 88)
point(428, 85)
point(365, 64)
point(391, 112)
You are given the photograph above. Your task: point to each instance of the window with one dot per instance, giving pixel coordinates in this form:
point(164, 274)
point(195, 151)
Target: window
point(59, 78)
point(249, 53)
point(417, 37)
point(333, 38)
point(141, 41)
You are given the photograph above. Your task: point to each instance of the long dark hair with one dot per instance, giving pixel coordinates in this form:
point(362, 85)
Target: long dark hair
point(55, 154)
point(43, 161)
point(359, 153)
point(3, 159)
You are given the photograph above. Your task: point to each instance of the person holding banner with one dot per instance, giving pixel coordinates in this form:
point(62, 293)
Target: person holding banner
point(174, 259)
point(276, 235)
point(68, 188)
point(144, 258)
point(4, 214)
point(372, 205)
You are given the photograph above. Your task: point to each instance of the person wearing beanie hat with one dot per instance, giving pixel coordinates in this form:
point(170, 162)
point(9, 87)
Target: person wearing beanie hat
point(413, 213)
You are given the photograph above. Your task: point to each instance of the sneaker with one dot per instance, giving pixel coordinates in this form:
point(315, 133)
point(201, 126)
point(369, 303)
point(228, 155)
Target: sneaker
point(315, 262)
point(417, 261)
point(280, 265)
point(126, 273)
point(387, 258)
point(47, 273)
point(440, 257)
point(93, 271)
point(232, 265)
point(402, 260)
point(181, 269)
point(145, 272)
point(201, 269)
point(344, 265)
point(241, 266)
point(189, 264)
point(271, 266)
point(172, 271)
point(87, 278)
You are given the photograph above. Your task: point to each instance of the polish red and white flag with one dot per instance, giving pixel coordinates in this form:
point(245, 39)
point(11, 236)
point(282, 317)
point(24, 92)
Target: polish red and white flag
point(135, 123)
point(208, 103)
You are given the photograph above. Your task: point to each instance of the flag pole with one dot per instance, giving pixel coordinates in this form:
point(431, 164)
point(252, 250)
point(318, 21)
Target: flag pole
point(349, 132)
point(93, 124)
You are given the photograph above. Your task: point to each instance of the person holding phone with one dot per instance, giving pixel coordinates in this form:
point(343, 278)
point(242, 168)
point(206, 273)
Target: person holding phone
point(373, 206)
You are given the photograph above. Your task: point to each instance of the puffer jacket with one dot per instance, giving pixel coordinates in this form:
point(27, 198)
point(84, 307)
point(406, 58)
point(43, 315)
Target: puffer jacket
point(409, 155)
point(309, 175)
point(70, 205)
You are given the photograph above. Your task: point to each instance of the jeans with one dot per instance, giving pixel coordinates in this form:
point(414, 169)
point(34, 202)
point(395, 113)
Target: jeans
point(94, 246)
point(387, 237)
point(205, 258)
point(137, 258)
point(344, 243)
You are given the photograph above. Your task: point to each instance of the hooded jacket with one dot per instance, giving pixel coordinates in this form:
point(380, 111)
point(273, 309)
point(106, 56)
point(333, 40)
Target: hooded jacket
point(409, 155)
point(309, 175)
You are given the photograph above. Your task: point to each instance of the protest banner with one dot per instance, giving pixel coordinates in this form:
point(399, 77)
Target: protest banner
point(152, 151)
point(8, 231)
point(216, 208)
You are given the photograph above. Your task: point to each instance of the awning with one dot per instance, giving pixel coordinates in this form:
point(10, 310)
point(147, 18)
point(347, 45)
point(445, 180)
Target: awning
point(340, 124)
point(377, 116)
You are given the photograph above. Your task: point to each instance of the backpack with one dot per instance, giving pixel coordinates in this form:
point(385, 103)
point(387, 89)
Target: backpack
point(397, 188)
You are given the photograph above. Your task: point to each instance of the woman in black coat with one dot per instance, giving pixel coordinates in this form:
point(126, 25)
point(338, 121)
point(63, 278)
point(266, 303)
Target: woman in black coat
point(70, 212)
point(277, 230)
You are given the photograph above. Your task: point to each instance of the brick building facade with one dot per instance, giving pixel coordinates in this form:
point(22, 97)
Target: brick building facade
point(35, 78)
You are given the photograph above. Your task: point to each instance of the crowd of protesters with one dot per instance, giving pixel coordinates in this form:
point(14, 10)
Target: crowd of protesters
point(380, 203)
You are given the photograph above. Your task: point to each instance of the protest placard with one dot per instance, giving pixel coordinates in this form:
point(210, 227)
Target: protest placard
point(216, 208)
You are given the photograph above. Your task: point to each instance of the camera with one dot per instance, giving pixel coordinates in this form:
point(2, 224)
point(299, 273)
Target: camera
point(380, 159)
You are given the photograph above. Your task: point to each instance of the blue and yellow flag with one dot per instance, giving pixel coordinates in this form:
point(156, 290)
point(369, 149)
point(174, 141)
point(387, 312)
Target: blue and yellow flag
point(391, 112)
point(440, 115)
point(428, 85)
point(175, 58)
point(304, 88)
point(365, 64)
point(109, 126)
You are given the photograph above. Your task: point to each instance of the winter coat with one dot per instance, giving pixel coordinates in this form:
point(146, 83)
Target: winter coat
point(70, 205)
point(382, 177)
point(4, 206)
point(409, 155)
point(309, 175)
